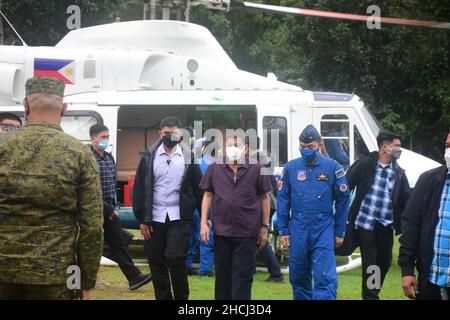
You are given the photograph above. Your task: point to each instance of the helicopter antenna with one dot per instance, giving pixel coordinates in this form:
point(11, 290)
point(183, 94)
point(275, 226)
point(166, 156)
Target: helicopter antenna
point(10, 24)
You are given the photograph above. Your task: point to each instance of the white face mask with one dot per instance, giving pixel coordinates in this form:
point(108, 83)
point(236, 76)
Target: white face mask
point(447, 157)
point(234, 153)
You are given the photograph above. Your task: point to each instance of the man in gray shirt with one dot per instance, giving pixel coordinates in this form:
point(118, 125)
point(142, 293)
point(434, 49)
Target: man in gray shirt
point(168, 169)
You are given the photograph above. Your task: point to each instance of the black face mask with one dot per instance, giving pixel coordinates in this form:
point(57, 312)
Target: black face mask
point(168, 142)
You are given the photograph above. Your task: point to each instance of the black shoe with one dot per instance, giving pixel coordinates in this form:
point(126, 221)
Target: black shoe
point(278, 279)
point(191, 272)
point(140, 280)
point(207, 274)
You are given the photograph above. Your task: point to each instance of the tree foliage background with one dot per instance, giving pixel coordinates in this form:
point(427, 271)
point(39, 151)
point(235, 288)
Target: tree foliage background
point(402, 73)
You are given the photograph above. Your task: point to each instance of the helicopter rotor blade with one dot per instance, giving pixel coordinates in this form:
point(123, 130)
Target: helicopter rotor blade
point(337, 15)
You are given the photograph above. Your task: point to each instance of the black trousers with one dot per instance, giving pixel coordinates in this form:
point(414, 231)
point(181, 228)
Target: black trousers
point(235, 261)
point(270, 260)
point(376, 250)
point(166, 252)
point(117, 243)
point(428, 290)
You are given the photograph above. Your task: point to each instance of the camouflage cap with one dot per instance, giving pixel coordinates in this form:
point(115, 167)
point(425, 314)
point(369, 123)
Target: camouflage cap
point(45, 85)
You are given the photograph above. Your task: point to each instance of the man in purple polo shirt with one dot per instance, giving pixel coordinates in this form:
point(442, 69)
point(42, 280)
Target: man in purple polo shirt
point(238, 194)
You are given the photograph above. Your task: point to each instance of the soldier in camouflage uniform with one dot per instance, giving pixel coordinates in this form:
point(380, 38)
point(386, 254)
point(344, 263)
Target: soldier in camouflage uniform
point(51, 207)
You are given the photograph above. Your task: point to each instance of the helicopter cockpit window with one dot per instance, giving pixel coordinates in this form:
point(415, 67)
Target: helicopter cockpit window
point(280, 124)
point(360, 146)
point(335, 132)
point(371, 120)
point(78, 127)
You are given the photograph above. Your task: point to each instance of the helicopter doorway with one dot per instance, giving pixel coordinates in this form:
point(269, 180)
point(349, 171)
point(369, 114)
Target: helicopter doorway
point(138, 129)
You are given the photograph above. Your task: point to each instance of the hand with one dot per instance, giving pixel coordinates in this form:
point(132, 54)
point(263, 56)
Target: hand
point(285, 241)
point(204, 231)
point(262, 239)
point(114, 214)
point(410, 287)
point(83, 294)
point(146, 231)
point(338, 241)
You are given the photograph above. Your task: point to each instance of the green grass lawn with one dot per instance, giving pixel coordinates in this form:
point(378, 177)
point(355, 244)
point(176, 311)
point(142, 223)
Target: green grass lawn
point(112, 285)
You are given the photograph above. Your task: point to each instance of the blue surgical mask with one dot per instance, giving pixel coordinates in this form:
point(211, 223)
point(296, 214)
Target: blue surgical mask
point(309, 154)
point(104, 144)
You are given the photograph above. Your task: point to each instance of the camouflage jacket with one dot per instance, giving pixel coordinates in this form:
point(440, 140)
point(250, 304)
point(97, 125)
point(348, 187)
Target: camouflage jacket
point(51, 207)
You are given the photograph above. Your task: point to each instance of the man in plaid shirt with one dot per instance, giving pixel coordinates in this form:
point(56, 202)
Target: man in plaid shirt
point(382, 191)
point(425, 242)
point(440, 265)
point(377, 205)
point(113, 234)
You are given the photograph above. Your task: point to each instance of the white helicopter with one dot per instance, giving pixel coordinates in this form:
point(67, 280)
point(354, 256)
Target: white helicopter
point(128, 75)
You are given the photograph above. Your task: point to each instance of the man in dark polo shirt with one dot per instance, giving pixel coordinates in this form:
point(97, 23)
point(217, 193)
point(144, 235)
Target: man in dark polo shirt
point(238, 194)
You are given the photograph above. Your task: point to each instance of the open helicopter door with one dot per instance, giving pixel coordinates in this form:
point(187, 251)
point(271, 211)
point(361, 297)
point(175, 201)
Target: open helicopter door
point(274, 125)
point(345, 140)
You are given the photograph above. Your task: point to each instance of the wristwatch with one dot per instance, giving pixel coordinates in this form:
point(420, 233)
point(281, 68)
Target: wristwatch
point(267, 226)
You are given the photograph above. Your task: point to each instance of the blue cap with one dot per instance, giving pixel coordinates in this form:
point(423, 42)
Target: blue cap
point(309, 134)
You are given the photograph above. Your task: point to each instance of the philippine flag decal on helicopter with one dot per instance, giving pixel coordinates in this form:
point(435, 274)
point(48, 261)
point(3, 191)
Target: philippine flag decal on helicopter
point(56, 68)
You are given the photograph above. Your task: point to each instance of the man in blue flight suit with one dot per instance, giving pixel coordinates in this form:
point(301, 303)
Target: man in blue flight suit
point(309, 187)
point(206, 265)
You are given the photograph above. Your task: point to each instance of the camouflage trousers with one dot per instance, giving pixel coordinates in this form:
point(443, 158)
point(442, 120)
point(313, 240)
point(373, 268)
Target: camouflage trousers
point(9, 291)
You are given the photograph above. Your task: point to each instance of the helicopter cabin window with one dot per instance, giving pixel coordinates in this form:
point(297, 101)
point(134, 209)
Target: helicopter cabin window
point(279, 124)
point(335, 132)
point(78, 127)
point(75, 123)
point(89, 69)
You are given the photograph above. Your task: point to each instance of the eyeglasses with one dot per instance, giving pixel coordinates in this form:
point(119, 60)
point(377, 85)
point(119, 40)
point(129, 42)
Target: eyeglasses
point(8, 127)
